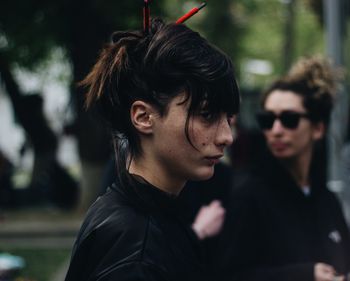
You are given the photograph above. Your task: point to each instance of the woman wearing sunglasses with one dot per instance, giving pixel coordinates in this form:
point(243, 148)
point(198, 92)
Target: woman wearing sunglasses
point(286, 224)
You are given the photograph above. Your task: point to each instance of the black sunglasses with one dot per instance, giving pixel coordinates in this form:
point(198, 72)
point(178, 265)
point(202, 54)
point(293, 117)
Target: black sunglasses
point(289, 119)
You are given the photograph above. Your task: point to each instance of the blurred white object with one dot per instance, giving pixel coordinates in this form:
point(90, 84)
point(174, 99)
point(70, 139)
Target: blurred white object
point(9, 265)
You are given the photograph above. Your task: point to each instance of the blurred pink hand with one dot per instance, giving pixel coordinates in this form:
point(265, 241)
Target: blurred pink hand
point(209, 220)
point(325, 272)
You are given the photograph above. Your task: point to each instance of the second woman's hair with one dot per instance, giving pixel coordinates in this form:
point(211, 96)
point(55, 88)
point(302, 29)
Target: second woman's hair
point(315, 80)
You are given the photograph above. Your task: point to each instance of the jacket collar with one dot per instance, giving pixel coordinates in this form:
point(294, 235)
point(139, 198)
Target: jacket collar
point(279, 178)
point(146, 196)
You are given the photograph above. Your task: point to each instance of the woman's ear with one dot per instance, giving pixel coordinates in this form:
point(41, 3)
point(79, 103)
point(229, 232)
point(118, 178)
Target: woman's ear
point(141, 117)
point(318, 130)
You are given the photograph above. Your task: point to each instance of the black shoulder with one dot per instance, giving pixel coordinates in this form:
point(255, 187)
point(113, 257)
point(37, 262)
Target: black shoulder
point(111, 216)
point(134, 270)
point(112, 232)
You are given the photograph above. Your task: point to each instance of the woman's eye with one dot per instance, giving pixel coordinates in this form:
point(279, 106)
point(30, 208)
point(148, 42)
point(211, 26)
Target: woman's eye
point(208, 116)
point(231, 119)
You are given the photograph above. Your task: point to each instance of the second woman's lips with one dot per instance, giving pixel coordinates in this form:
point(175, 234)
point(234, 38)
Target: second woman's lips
point(279, 145)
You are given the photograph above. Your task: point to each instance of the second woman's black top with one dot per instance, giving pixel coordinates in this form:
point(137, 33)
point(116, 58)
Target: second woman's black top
point(135, 232)
point(279, 233)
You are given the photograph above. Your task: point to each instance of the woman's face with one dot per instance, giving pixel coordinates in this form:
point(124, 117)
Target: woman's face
point(289, 143)
point(176, 158)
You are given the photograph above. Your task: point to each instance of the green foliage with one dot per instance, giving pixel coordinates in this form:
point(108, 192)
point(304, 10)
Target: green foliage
point(242, 28)
point(41, 264)
point(263, 31)
point(255, 29)
point(218, 21)
point(220, 28)
point(28, 38)
point(309, 34)
point(30, 29)
point(264, 34)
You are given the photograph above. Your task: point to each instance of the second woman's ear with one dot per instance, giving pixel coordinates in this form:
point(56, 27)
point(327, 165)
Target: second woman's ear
point(318, 131)
point(141, 116)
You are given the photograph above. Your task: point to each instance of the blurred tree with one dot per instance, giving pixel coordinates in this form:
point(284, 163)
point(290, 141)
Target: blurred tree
point(266, 37)
point(317, 7)
point(49, 181)
point(29, 30)
point(222, 22)
point(221, 27)
point(245, 29)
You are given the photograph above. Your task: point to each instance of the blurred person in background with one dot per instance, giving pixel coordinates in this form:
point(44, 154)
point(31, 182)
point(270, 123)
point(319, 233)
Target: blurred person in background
point(286, 224)
point(169, 98)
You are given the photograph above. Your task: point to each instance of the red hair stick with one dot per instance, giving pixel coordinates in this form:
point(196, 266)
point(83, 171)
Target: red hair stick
point(190, 13)
point(146, 16)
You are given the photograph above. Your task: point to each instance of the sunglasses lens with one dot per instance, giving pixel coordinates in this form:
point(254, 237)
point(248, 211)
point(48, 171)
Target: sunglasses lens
point(265, 120)
point(290, 120)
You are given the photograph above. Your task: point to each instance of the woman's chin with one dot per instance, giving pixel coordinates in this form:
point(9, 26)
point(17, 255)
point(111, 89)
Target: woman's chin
point(282, 155)
point(203, 174)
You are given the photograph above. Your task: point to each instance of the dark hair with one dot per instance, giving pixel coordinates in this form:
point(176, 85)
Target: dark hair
point(315, 81)
point(155, 68)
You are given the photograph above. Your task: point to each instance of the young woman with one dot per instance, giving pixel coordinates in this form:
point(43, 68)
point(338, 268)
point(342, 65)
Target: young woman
point(169, 98)
point(287, 225)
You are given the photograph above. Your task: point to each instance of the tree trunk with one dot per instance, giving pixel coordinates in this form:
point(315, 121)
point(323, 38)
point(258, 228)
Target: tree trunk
point(87, 38)
point(49, 181)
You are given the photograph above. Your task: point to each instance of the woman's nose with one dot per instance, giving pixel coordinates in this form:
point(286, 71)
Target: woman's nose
point(277, 127)
point(224, 135)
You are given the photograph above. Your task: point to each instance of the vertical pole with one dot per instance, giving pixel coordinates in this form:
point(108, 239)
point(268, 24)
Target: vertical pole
point(338, 124)
point(289, 34)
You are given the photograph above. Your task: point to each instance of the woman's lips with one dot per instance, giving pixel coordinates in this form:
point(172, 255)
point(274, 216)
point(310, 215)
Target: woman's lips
point(213, 160)
point(278, 145)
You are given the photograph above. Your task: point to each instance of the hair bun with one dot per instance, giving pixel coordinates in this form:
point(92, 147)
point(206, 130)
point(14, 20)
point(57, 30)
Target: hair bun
point(318, 73)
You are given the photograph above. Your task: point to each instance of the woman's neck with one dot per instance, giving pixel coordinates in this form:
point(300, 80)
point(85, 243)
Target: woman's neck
point(299, 168)
point(157, 176)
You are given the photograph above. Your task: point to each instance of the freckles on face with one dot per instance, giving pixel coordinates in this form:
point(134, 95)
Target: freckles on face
point(203, 139)
point(211, 134)
point(170, 150)
point(199, 133)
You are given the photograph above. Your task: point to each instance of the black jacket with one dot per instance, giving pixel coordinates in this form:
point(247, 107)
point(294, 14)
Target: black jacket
point(279, 233)
point(199, 193)
point(135, 232)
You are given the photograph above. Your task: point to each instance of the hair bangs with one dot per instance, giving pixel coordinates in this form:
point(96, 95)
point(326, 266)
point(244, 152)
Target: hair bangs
point(221, 95)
